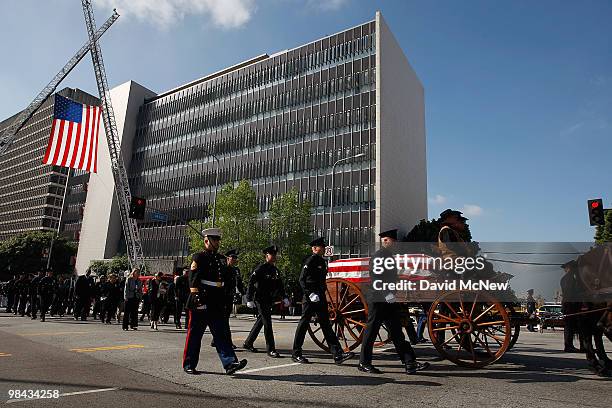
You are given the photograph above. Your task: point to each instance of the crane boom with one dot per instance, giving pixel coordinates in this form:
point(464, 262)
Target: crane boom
point(122, 186)
point(7, 137)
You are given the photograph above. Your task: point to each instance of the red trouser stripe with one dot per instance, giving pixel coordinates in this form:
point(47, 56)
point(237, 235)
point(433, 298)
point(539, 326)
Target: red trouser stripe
point(188, 335)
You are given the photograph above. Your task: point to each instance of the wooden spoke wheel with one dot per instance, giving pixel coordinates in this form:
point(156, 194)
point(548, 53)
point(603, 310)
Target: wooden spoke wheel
point(348, 312)
point(470, 329)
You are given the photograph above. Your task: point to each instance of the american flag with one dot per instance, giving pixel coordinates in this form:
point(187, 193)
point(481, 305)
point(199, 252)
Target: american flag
point(74, 135)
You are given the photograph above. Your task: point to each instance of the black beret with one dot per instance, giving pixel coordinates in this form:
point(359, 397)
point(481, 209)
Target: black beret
point(392, 233)
point(272, 249)
point(318, 242)
point(232, 253)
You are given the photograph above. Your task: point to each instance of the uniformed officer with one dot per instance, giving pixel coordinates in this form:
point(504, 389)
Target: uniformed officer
point(234, 284)
point(181, 292)
point(206, 305)
point(33, 294)
point(23, 286)
point(265, 286)
point(312, 282)
point(47, 289)
point(238, 291)
point(382, 309)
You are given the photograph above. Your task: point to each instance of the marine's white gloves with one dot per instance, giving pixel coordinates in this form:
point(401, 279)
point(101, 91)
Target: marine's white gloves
point(314, 298)
point(251, 304)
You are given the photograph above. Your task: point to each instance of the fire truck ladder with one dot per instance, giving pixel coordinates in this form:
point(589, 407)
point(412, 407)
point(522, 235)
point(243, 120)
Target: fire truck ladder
point(8, 136)
point(122, 186)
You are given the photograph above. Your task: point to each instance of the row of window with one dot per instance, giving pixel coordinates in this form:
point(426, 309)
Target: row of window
point(143, 164)
point(251, 171)
point(277, 72)
point(154, 134)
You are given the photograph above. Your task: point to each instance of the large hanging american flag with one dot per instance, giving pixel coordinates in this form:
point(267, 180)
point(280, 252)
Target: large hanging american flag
point(74, 135)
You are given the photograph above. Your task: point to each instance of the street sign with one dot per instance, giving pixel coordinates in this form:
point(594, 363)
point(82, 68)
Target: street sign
point(157, 216)
point(329, 250)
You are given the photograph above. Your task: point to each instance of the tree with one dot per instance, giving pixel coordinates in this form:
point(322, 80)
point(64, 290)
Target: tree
point(27, 253)
point(237, 218)
point(290, 228)
point(118, 264)
point(603, 233)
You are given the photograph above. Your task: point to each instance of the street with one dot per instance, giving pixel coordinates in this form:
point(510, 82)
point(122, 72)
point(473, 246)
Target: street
point(96, 365)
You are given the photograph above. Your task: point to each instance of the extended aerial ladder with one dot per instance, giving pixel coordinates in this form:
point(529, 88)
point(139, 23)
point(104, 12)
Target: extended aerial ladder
point(122, 186)
point(9, 134)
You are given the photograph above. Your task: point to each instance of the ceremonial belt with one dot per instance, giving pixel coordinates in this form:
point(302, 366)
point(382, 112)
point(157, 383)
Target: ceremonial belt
point(212, 283)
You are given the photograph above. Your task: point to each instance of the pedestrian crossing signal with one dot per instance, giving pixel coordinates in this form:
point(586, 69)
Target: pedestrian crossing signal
point(137, 208)
point(596, 212)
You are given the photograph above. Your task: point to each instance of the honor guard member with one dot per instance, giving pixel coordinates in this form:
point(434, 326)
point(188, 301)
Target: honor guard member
point(233, 288)
point(47, 289)
point(382, 309)
point(33, 294)
point(23, 286)
point(312, 282)
point(206, 305)
point(265, 286)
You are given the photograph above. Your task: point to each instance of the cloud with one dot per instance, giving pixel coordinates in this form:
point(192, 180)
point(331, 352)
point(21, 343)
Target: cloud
point(571, 129)
point(438, 199)
point(327, 5)
point(471, 210)
point(165, 13)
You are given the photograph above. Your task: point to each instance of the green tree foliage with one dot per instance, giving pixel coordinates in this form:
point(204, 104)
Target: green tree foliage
point(603, 233)
point(237, 218)
point(118, 264)
point(290, 228)
point(24, 253)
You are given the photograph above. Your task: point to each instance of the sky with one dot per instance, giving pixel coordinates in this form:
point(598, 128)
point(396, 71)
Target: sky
point(518, 95)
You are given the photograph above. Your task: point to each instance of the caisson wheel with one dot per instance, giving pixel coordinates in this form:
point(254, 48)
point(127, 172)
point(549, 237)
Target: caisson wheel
point(471, 329)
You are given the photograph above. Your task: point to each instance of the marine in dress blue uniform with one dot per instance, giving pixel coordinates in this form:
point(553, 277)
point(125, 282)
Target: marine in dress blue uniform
point(206, 306)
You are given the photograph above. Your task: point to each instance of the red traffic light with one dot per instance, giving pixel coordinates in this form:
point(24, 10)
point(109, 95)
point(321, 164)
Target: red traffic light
point(594, 204)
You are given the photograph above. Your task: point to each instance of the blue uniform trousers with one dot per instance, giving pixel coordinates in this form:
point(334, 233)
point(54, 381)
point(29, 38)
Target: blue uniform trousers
point(218, 324)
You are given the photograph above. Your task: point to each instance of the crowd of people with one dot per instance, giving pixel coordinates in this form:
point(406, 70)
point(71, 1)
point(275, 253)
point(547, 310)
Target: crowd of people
point(112, 298)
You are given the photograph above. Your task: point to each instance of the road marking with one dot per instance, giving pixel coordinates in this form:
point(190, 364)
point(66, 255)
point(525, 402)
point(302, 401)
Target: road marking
point(381, 350)
point(5, 354)
point(106, 348)
point(254, 370)
point(67, 394)
point(51, 333)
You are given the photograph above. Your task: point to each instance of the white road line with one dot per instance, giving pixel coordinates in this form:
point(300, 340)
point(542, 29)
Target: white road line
point(65, 394)
point(254, 370)
point(381, 350)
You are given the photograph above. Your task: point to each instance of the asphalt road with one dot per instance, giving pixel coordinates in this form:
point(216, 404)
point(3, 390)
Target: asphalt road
point(96, 365)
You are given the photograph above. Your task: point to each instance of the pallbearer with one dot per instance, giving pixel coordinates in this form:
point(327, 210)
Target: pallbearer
point(383, 309)
point(265, 287)
point(312, 281)
point(206, 306)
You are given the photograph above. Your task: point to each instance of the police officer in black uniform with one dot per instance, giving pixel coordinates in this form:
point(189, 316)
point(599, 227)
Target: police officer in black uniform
point(33, 294)
point(23, 286)
point(181, 292)
point(235, 295)
point(382, 309)
point(312, 282)
point(47, 289)
point(265, 286)
point(206, 305)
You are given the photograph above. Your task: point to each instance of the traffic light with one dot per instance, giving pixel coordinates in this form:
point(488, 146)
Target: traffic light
point(596, 212)
point(137, 208)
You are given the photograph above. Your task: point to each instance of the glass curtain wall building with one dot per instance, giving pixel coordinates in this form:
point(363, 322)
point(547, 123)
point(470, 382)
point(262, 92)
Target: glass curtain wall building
point(280, 122)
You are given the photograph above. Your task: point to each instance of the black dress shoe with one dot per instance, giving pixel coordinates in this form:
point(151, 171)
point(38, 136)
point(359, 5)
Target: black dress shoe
point(368, 368)
point(273, 354)
point(571, 350)
point(191, 371)
point(341, 358)
point(412, 368)
point(249, 348)
point(238, 365)
point(300, 359)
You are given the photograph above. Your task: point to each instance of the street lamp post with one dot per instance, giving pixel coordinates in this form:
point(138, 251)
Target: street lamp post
point(331, 204)
point(214, 214)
